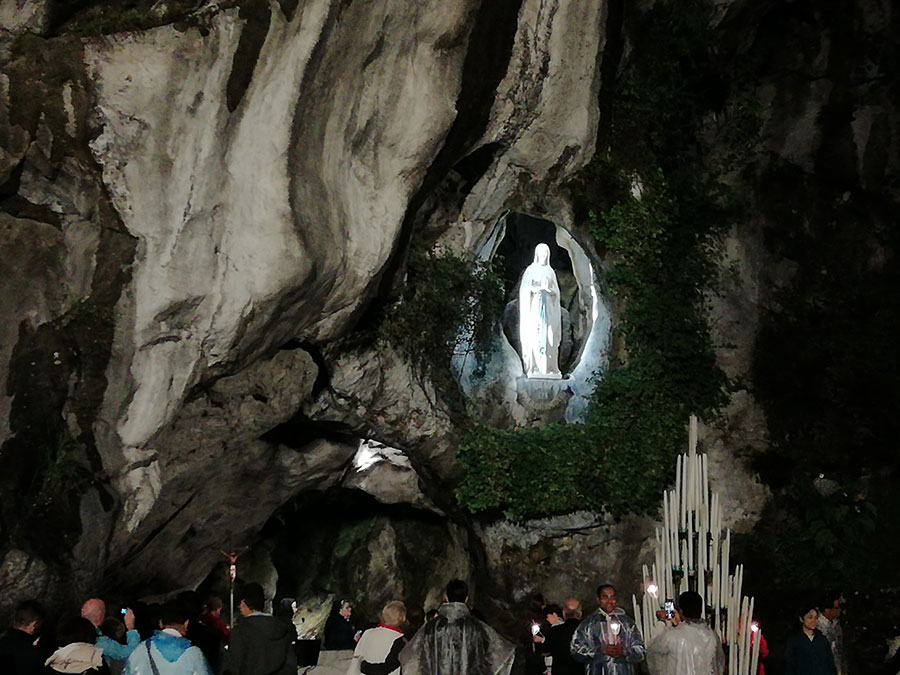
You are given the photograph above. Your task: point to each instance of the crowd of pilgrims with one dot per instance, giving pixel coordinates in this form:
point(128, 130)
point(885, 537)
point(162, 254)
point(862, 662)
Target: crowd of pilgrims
point(188, 637)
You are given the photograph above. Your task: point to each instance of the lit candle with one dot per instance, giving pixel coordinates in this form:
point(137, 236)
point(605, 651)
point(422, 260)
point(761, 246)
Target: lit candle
point(757, 638)
point(614, 627)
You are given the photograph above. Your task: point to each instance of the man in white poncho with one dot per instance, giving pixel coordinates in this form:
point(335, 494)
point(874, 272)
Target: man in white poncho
point(456, 643)
point(689, 647)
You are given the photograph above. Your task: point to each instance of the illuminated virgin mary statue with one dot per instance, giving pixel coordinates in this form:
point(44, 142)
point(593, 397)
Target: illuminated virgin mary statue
point(539, 317)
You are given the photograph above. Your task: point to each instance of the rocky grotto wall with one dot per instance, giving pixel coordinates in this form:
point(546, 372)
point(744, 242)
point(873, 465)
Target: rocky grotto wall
point(185, 201)
point(200, 219)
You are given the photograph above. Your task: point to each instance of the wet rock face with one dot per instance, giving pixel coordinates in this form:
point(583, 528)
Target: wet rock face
point(19, 16)
point(186, 200)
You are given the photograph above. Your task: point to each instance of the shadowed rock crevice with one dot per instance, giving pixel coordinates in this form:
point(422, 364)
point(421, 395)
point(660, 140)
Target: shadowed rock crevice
point(487, 59)
point(257, 15)
point(300, 431)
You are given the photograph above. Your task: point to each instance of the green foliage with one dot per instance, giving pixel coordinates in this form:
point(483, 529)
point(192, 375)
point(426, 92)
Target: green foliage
point(811, 541)
point(63, 473)
point(447, 297)
point(622, 457)
point(660, 249)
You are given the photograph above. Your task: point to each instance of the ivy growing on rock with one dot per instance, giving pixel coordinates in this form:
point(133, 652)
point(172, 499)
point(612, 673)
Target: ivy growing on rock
point(446, 296)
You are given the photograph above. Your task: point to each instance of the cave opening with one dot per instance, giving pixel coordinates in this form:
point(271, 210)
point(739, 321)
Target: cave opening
point(342, 543)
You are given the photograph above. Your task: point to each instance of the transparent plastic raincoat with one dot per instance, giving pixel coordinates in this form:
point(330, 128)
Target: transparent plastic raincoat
point(690, 648)
point(594, 633)
point(454, 643)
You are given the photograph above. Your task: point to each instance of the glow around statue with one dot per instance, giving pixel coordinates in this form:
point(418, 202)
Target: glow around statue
point(539, 317)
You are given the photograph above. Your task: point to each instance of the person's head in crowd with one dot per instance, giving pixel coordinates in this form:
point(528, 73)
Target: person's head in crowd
point(572, 609)
point(28, 617)
point(113, 627)
point(393, 613)
point(192, 603)
point(690, 604)
point(213, 605)
point(252, 599)
point(94, 610)
point(71, 629)
point(175, 614)
point(808, 616)
point(415, 618)
point(553, 614)
point(536, 603)
point(345, 609)
point(457, 591)
point(606, 598)
point(830, 606)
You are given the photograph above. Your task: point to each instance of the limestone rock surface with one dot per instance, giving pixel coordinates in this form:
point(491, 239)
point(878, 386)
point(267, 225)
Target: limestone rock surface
point(208, 192)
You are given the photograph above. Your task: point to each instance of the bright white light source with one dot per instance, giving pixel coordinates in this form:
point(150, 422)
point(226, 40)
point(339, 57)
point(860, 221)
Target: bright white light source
point(371, 452)
point(653, 589)
point(366, 456)
point(754, 627)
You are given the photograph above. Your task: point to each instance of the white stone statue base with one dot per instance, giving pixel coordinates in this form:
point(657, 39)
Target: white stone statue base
point(544, 376)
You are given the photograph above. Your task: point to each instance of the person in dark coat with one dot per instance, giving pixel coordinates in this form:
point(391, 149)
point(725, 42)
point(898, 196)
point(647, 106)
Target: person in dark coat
point(339, 632)
point(559, 638)
point(808, 652)
point(260, 644)
point(533, 629)
point(18, 653)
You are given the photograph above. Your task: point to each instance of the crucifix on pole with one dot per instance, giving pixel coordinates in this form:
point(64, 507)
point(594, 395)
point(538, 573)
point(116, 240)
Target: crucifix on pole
point(232, 575)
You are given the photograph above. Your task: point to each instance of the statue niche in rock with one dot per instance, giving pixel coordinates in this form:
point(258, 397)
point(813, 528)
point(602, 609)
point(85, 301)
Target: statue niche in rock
point(539, 317)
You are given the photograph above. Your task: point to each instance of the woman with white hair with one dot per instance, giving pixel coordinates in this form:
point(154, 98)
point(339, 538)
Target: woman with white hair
point(378, 650)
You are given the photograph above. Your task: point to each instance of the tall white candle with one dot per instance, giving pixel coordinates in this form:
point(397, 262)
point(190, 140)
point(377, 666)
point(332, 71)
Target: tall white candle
point(690, 539)
point(692, 434)
point(705, 479)
point(754, 662)
point(679, 489)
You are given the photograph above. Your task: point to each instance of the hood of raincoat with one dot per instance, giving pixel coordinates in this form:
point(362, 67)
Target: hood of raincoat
point(170, 646)
point(456, 642)
point(690, 647)
point(76, 658)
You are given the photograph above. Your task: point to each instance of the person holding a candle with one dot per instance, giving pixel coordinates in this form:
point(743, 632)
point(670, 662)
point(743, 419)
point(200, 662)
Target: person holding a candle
point(608, 641)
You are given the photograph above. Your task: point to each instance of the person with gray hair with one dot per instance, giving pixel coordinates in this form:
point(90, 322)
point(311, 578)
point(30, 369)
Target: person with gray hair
point(559, 637)
point(378, 650)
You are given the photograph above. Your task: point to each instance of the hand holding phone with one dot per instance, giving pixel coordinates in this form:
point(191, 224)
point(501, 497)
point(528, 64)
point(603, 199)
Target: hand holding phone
point(670, 610)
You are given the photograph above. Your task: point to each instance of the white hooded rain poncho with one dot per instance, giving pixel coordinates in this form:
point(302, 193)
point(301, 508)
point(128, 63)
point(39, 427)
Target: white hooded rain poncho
point(691, 648)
